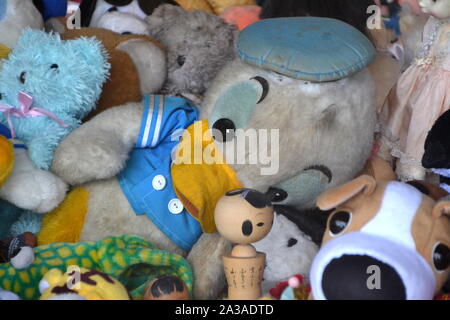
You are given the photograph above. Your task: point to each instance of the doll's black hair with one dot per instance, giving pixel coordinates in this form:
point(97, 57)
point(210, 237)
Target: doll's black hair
point(353, 12)
point(165, 285)
point(257, 199)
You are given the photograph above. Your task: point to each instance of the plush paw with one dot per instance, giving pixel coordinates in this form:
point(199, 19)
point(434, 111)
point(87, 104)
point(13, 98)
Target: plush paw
point(32, 189)
point(206, 261)
point(81, 159)
point(23, 259)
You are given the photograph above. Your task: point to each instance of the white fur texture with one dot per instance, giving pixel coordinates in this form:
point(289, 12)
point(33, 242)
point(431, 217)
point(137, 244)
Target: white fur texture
point(99, 148)
point(20, 14)
point(150, 61)
point(30, 188)
point(282, 261)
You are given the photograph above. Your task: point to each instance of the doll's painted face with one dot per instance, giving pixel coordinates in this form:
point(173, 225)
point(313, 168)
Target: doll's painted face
point(437, 8)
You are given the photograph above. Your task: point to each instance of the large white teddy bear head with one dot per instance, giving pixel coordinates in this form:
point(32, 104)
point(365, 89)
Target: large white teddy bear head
point(302, 85)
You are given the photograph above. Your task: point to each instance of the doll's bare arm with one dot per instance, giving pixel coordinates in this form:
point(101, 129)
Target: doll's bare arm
point(206, 260)
point(99, 148)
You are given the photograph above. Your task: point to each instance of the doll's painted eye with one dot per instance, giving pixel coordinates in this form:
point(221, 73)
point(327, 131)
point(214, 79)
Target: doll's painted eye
point(54, 66)
point(181, 60)
point(247, 228)
point(265, 87)
point(441, 257)
point(339, 222)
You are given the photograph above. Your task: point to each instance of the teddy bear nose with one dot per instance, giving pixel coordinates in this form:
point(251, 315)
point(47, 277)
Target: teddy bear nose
point(22, 77)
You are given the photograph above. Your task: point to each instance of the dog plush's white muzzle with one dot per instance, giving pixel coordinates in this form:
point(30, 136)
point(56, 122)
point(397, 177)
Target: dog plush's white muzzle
point(364, 266)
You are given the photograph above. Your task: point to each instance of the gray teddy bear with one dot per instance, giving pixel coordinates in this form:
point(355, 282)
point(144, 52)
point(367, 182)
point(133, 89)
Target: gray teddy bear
point(198, 45)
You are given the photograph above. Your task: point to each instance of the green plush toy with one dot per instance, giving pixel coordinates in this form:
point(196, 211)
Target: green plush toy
point(130, 259)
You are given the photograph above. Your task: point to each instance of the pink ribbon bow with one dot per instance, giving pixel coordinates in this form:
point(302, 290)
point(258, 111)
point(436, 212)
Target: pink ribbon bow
point(25, 111)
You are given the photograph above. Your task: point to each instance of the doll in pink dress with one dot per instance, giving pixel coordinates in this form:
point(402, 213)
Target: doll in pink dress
point(421, 95)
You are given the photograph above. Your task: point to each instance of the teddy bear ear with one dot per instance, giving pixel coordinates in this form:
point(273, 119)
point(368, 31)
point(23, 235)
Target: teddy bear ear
point(441, 208)
point(332, 198)
point(92, 52)
point(150, 62)
point(162, 17)
point(37, 37)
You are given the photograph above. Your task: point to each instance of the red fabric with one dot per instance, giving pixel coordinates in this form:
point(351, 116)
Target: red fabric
point(241, 16)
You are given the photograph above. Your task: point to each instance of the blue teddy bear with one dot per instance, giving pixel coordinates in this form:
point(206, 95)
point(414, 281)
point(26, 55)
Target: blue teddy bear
point(47, 86)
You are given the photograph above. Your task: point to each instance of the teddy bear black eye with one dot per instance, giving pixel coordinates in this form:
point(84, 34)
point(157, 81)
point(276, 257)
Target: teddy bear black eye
point(181, 60)
point(54, 66)
point(265, 86)
point(339, 221)
point(224, 130)
point(261, 224)
point(441, 257)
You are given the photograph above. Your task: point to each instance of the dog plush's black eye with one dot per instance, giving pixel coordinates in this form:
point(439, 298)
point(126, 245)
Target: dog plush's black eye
point(339, 221)
point(265, 87)
point(181, 60)
point(54, 66)
point(441, 257)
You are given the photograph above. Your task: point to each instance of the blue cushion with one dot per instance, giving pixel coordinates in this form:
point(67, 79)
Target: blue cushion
point(2, 9)
point(307, 48)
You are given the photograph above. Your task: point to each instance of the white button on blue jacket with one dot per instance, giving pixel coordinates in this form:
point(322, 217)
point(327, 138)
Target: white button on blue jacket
point(146, 180)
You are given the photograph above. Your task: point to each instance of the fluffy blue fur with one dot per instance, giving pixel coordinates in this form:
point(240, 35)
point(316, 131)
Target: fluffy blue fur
point(70, 90)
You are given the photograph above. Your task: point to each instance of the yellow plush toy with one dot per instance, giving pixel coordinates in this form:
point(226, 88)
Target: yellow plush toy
point(81, 284)
point(6, 158)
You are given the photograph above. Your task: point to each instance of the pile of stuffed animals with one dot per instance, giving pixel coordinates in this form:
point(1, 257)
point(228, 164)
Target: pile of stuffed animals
point(111, 112)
